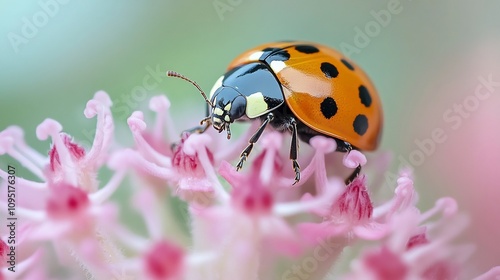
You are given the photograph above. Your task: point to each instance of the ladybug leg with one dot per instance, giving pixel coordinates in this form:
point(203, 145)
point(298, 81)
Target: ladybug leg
point(353, 176)
point(228, 132)
point(204, 124)
point(294, 148)
point(253, 140)
point(207, 121)
point(356, 171)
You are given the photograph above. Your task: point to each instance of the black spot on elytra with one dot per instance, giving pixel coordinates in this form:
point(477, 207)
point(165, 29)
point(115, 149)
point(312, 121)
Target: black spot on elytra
point(329, 70)
point(360, 124)
point(328, 107)
point(275, 54)
point(365, 96)
point(307, 49)
point(347, 64)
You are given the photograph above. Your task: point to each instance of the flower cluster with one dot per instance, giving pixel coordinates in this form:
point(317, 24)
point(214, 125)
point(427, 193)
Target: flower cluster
point(189, 214)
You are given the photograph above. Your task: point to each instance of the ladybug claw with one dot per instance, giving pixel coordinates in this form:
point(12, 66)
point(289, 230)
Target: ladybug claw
point(243, 156)
point(206, 120)
point(296, 168)
point(240, 163)
point(228, 130)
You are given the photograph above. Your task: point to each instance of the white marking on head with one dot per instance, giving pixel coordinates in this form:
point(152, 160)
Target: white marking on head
point(217, 85)
point(227, 119)
point(216, 120)
point(218, 111)
point(277, 65)
point(227, 107)
point(256, 105)
point(256, 55)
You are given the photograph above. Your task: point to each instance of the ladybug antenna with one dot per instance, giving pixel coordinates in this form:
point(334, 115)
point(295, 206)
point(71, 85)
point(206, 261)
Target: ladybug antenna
point(177, 75)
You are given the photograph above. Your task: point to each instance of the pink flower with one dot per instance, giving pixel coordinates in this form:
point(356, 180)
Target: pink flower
point(411, 253)
point(188, 214)
point(350, 214)
point(254, 216)
point(68, 206)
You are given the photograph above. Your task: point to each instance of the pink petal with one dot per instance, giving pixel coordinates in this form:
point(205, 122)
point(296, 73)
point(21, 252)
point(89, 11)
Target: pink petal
point(100, 106)
point(354, 159)
point(313, 233)
point(323, 144)
point(385, 264)
point(371, 231)
point(164, 261)
point(48, 127)
point(280, 237)
point(4, 250)
point(355, 204)
point(66, 201)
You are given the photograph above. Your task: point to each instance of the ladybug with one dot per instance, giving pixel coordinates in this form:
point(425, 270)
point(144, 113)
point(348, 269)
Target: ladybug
point(303, 88)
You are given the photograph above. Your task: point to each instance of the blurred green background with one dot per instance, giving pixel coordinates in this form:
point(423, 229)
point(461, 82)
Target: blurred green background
point(424, 57)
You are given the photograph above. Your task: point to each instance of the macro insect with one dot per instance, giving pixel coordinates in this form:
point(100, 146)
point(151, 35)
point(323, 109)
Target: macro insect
point(303, 88)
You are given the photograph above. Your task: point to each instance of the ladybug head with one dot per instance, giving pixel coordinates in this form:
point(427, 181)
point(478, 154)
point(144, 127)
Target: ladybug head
point(228, 106)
